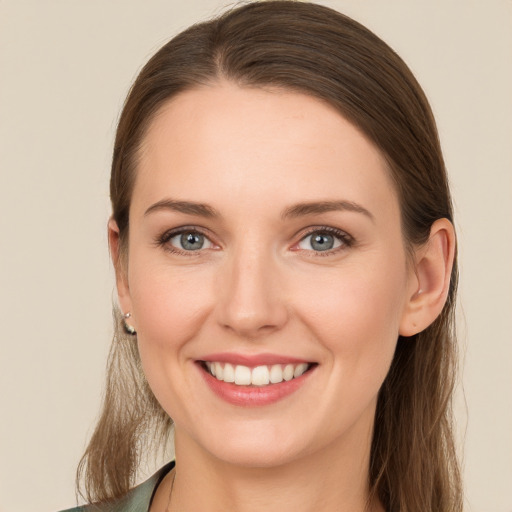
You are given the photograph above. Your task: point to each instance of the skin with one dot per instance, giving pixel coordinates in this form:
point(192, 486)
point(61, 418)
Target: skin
point(259, 286)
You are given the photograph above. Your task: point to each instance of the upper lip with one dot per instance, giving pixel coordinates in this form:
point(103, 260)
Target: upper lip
point(252, 360)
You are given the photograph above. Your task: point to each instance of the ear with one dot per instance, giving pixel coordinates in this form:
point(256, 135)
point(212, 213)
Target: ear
point(433, 264)
point(120, 266)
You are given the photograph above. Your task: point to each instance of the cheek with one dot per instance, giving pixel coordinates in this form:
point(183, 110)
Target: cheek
point(355, 313)
point(169, 304)
point(355, 317)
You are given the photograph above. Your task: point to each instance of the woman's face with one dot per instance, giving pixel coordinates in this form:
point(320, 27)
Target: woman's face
point(264, 233)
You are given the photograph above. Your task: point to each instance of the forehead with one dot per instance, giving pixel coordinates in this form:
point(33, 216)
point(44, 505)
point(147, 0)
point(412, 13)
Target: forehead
point(221, 142)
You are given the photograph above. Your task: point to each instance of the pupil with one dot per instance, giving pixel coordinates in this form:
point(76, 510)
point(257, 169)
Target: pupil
point(192, 241)
point(322, 242)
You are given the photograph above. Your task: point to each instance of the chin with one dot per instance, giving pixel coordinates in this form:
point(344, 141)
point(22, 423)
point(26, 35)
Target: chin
point(258, 447)
point(254, 455)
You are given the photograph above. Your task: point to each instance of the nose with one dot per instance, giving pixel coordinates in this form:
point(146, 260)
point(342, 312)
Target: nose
point(251, 295)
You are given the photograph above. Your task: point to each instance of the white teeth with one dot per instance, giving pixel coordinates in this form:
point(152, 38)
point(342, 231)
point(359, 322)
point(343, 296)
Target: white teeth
point(242, 375)
point(229, 373)
point(288, 372)
point(219, 371)
point(299, 370)
point(259, 376)
point(276, 374)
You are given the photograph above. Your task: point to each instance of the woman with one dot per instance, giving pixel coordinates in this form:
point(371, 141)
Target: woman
point(285, 260)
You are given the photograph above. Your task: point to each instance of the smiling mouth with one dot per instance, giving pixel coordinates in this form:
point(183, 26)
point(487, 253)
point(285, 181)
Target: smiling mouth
point(259, 376)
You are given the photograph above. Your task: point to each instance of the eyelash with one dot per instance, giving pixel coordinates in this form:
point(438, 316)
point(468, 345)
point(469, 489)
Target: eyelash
point(164, 239)
point(345, 239)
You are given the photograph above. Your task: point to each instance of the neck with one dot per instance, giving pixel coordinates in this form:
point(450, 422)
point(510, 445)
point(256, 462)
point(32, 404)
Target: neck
point(334, 478)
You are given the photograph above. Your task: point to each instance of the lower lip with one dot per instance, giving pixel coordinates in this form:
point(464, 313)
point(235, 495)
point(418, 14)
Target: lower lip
point(253, 396)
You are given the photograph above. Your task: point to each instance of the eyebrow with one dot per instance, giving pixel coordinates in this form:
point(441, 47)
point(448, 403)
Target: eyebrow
point(294, 211)
point(187, 207)
point(315, 208)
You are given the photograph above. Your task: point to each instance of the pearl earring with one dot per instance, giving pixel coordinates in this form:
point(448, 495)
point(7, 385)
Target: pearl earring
point(129, 329)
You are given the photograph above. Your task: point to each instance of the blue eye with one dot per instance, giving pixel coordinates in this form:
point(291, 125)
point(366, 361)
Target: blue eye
point(190, 241)
point(320, 241)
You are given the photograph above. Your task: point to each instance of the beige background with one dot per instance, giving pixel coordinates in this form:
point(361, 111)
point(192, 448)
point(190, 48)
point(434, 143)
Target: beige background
point(65, 67)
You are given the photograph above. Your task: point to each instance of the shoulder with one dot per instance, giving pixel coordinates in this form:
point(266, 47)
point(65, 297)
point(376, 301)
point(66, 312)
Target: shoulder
point(137, 500)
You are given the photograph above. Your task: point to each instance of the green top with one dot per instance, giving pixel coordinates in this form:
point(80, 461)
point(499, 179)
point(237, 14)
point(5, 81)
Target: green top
point(137, 499)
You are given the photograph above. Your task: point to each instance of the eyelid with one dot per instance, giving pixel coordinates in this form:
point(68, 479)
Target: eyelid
point(163, 239)
point(345, 238)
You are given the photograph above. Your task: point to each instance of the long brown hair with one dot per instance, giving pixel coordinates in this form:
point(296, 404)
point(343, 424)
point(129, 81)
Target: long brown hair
point(311, 49)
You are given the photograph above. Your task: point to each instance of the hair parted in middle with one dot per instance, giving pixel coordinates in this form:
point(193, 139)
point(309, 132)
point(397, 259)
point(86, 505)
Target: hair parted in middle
point(314, 50)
